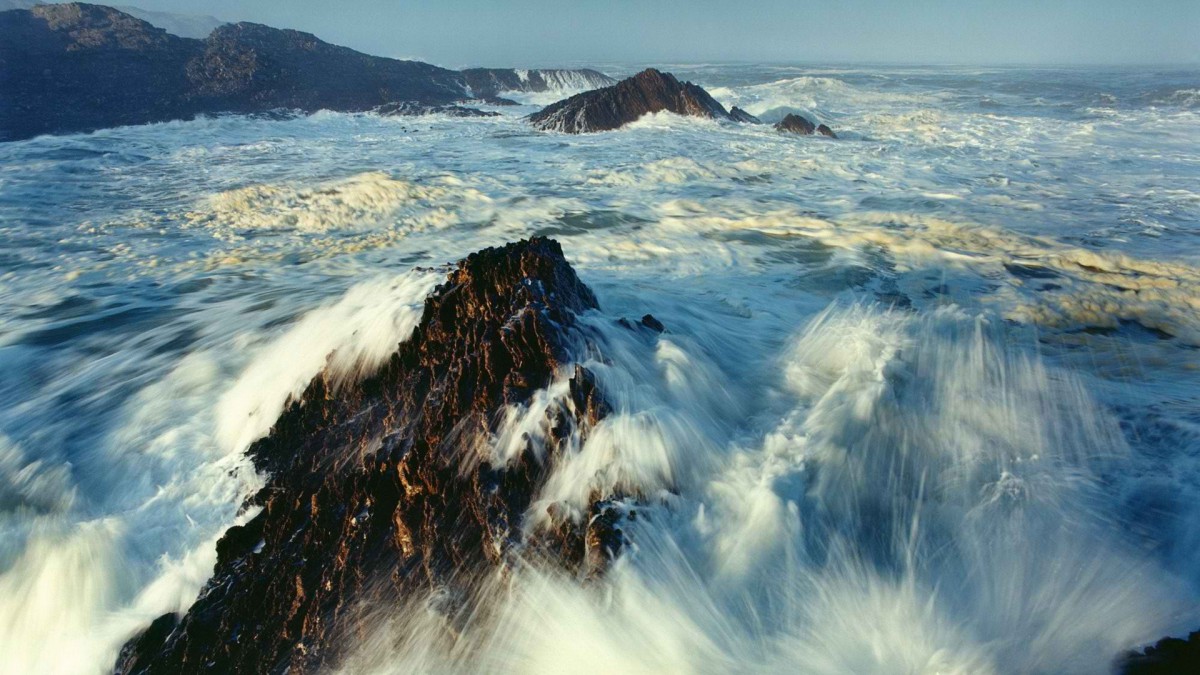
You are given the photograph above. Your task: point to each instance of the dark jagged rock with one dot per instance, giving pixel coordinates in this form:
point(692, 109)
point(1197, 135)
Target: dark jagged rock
point(649, 91)
point(795, 124)
point(489, 82)
point(414, 109)
point(653, 324)
point(738, 115)
point(1170, 656)
point(386, 483)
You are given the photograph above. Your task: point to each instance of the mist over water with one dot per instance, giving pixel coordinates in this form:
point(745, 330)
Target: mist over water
point(928, 399)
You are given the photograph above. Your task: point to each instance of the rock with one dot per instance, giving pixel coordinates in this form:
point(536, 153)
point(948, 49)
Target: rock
point(795, 124)
point(382, 490)
point(1169, 656)
point(738, 115)
point(489, 82)
point(649, 91)
point(78, 67)
point(414, 109)
point(653, 324)
point(74, 67)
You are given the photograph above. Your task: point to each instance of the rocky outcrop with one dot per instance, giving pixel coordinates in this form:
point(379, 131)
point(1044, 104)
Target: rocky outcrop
point(649, 91)
point(738, 115)
point(795, 124)
point(488, 83)
point(78, 67)
point(414, 109)
point(386, 487)
point(1169, 656)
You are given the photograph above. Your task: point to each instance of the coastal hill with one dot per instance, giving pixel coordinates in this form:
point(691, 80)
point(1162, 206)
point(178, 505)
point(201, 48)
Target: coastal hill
point(78, 67)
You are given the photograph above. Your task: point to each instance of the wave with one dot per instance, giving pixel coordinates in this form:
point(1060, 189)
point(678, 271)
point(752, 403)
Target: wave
point(927, 471)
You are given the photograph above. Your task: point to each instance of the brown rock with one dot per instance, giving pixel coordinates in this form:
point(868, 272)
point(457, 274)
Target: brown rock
point(382, 484)
point(649, 91)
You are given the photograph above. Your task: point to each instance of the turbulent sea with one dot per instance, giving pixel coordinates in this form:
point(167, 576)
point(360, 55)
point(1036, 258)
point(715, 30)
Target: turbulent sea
point(928, 399)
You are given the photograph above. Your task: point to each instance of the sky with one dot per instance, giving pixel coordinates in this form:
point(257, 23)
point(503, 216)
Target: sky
point(527, 33)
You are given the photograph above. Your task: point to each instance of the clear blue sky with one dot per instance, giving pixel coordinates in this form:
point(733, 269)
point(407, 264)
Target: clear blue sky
point(545, 32)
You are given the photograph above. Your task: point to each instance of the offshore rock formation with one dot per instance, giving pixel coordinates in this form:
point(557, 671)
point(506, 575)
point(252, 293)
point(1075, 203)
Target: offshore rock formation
point(388, 482)
point(488, 83)
point(795, 124)
point(649, 91)
point(1168, 657)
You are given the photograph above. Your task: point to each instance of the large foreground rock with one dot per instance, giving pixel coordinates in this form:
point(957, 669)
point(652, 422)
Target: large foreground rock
point(382, 490)
point(649, 91)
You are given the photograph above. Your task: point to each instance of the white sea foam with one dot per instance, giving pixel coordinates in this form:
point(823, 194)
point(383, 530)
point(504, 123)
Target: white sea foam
point(345, 340)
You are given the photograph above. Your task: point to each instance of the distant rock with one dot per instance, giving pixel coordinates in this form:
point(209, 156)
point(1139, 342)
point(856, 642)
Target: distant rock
point(184, 25)
point(795, 124)
point(414, 109)
point(487, 83)
point(649, 91)
point(78, 67)
point(738, 115)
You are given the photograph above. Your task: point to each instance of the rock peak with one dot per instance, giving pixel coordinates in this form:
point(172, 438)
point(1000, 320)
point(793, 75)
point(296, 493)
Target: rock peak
point(649, 91)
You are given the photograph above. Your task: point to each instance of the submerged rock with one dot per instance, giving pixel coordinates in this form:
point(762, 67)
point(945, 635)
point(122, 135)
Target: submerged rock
point(414, 109)
point(649, 91)
point(738, 115)
point(795, 124)
point(385, 489)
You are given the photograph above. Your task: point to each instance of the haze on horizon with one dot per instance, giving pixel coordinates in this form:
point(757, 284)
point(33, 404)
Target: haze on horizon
point(528, 33)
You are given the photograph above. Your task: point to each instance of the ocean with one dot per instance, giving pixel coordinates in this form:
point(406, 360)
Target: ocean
point(928, 399)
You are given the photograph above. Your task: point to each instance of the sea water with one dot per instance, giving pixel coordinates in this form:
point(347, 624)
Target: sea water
point(928, 399)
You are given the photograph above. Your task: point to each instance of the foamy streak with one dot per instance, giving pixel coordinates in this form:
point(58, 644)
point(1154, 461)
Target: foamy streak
point(929, 503)
point(345, 340)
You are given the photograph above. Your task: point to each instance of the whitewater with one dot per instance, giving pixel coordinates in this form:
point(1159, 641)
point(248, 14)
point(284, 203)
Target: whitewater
point(928, 399)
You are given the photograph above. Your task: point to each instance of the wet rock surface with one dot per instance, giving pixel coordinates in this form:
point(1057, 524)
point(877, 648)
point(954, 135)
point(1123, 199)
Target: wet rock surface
point(738, 115)
point(649, 91)
point(387, 483)
point(796, 124)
